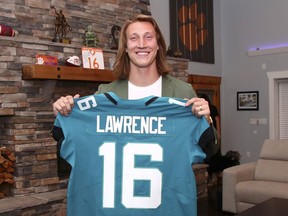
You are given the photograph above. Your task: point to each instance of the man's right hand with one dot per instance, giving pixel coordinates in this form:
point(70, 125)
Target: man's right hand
point(64, 105)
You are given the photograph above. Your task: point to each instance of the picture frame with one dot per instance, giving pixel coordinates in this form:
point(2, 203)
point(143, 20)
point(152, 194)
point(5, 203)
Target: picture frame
point(192, 30)
point(248, 100)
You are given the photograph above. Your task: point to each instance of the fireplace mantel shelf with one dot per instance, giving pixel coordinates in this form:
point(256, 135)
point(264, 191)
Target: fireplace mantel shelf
point(44, 72)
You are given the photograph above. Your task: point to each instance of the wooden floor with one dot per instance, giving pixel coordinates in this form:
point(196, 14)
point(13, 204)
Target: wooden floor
point(211, 205)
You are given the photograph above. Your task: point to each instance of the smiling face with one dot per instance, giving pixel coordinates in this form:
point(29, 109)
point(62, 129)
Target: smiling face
point(141, 44)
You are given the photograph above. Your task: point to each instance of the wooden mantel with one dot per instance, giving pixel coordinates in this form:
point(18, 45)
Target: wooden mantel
point(66, 73)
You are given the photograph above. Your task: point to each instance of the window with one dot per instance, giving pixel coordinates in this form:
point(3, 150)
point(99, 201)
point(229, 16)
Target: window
point(283, 109)
point(278, 104)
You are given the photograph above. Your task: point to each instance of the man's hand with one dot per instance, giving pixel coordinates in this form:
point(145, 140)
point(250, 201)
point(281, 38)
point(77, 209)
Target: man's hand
point(200, 106)
point(64, 105)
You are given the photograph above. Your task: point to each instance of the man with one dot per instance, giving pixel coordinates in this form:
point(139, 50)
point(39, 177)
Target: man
point(168, 186)
point(142, 69)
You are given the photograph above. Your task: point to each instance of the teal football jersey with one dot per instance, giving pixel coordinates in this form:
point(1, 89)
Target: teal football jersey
point(131, 157)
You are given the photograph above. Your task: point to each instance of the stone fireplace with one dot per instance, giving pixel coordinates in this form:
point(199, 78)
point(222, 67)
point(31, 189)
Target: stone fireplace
point(26, 115)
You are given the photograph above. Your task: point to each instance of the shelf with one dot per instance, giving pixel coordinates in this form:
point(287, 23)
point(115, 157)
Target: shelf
point(268, 51)
point(30, 72)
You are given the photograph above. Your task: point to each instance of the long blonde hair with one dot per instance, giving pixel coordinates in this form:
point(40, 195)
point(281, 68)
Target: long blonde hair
point(122, 62)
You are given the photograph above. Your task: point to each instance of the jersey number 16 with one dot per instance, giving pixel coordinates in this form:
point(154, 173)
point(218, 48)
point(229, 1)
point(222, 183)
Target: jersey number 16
point(130, 174)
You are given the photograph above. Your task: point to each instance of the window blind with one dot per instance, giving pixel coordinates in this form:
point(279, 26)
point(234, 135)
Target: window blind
point(283, 109)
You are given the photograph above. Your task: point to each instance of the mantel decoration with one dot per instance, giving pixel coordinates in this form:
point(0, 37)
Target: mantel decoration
point(91, 40)
point(248, 100)
point(61, 27)
point(6, 31)
point(115, 30)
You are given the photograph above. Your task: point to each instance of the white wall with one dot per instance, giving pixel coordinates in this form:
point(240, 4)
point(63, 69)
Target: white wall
point(249, 24)
point(238, 27)
point(160, 12)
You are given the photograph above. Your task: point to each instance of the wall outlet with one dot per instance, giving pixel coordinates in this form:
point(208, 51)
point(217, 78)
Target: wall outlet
point(248, 154)
point(262, 121)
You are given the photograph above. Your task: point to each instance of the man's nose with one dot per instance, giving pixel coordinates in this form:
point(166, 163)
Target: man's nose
point(141, 43)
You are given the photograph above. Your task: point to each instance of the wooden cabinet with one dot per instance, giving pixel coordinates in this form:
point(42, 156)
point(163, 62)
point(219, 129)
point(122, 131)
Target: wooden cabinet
point(209, 85)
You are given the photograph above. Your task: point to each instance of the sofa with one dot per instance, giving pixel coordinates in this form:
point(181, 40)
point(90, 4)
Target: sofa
point(251, 183)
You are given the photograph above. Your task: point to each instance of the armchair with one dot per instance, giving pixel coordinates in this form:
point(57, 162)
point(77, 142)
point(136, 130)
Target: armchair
point(251, 183)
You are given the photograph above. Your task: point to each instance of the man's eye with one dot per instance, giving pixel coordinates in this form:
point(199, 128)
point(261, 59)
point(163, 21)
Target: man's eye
point(149, 37)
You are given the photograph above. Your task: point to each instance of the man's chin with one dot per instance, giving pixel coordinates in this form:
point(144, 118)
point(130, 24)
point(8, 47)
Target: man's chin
point(143, 64)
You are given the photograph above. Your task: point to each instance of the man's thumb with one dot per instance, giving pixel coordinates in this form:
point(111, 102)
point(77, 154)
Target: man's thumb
point(76, 96)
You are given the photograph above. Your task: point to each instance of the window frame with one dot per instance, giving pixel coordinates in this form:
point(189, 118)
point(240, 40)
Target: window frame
point(274, 79)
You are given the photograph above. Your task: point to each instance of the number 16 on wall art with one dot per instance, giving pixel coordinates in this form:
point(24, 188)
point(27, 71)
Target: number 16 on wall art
point(92, 58)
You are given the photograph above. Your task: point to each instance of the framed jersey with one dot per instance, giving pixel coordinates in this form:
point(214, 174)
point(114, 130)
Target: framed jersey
point(131, 157)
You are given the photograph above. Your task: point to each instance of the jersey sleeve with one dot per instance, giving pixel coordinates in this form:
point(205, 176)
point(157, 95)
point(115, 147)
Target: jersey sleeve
point(207, 143)
point(198, 154)
point(60, 133)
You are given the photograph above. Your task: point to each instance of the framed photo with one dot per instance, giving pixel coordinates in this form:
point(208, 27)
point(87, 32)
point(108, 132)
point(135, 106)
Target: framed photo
point(248, 100)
